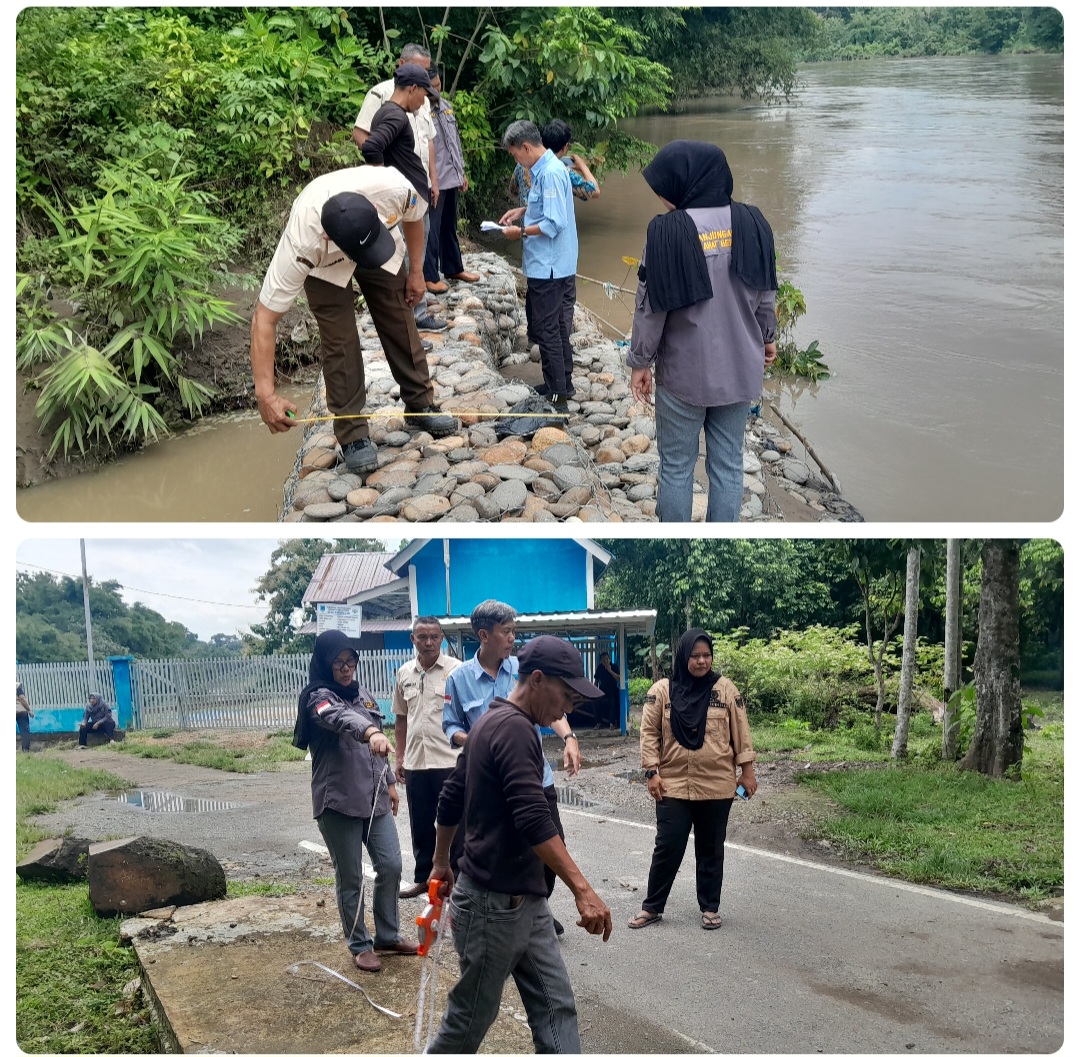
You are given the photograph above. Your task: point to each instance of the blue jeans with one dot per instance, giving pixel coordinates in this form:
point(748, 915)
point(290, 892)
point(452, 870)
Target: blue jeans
point(345, 839)
point(678, 432)
point(496, 936)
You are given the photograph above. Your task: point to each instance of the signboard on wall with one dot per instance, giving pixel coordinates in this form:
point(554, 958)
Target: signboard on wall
point(331, 617)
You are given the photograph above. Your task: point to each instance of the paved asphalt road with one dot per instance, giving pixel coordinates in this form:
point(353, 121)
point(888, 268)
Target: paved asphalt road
point(811, 958)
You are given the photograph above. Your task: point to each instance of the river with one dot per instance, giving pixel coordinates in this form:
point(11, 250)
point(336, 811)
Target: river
point(919, 206)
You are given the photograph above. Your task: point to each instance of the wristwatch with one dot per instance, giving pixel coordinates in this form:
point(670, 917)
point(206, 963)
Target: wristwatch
point(569, 736)
point(651, 774)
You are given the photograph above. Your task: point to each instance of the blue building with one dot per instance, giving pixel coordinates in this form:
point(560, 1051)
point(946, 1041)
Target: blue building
point(551, 583)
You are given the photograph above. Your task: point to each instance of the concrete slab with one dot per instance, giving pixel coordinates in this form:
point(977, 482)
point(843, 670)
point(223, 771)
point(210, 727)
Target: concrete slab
point(228, 977)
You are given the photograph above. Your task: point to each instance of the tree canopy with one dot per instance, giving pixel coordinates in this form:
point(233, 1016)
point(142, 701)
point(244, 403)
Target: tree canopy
point(50, 624)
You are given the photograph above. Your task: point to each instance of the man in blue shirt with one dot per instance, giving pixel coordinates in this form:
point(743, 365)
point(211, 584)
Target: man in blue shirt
point(473, 685)
point(548, 256)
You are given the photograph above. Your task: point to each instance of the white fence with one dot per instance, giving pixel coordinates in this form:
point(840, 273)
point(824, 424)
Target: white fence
point(239, 692)
point(64, 685)
point(222, 692)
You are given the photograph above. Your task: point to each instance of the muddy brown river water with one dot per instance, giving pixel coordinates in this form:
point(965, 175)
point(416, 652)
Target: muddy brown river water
point(917, 203)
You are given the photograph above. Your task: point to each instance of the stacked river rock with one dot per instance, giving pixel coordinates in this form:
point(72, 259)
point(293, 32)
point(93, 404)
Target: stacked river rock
point(597, 464)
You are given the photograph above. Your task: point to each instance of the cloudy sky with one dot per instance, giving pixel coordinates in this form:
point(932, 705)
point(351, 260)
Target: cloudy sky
point(206, 584)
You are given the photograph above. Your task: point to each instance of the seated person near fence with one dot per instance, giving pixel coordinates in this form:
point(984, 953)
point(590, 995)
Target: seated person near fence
point(98, 718)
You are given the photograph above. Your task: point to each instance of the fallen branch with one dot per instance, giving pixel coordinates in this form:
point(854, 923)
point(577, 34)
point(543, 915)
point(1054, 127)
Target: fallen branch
point(807, 445)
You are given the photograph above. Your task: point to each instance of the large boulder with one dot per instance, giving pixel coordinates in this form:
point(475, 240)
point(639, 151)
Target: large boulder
point(141, 873)
point(58, 859)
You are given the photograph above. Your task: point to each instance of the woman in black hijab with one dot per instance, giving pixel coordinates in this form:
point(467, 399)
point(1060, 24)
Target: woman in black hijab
point(706, 316)
point(353, 796)
point(695, 749)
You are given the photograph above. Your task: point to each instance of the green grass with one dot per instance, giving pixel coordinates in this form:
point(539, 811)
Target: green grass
point(775, 735)
point(236, 889)
point(70, 969)
point(931, 823)
point(277, 748)
point(41, 782)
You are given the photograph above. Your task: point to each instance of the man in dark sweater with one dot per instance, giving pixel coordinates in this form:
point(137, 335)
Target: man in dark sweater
point(501, 923)
point(392, 143)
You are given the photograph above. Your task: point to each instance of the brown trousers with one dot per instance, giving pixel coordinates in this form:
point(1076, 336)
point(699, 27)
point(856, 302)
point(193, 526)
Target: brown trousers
point(334, 309)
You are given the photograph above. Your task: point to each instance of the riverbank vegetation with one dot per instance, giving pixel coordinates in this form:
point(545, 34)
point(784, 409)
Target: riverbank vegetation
point(872, 32)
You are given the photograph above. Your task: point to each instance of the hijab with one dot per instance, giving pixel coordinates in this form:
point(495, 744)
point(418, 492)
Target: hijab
point(690, 695)
point(321, 677)
point(693, 175)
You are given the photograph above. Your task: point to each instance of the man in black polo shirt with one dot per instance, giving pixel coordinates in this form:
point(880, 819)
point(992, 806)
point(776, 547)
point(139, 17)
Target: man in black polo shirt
point(392, 143)
point(501, 923)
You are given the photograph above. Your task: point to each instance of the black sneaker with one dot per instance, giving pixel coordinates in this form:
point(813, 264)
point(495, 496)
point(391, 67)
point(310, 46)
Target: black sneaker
point(429, 322)
point(558, 402)
point(433, 421)
point(542, 389)
point(360, 456)
point(427, 346)
point(559, 930)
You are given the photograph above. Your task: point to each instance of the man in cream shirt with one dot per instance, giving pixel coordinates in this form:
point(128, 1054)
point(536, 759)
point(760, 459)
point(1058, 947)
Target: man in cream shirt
point(424, 758)
point(350, 224)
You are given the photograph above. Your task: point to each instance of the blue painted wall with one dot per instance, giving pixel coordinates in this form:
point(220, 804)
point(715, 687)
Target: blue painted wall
point(55, 720)
point(532, 575)
point(397, 640)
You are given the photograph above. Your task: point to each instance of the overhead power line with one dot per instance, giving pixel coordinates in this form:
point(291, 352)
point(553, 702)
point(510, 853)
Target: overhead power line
point(144, 591)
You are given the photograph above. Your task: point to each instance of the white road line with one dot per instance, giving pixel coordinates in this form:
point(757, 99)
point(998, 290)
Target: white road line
point(905, 886)
point(692, 1044)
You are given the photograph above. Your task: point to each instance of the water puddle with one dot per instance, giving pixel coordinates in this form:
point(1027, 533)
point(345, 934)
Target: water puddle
point(572, 798)
point(172, 803)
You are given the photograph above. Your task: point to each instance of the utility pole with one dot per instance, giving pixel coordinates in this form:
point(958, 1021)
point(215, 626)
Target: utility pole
point(86, 610)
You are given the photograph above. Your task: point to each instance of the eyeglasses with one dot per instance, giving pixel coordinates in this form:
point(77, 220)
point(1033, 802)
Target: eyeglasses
point(344, 666)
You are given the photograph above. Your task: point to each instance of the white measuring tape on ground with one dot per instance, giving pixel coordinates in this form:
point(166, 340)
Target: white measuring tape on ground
point(294, 969)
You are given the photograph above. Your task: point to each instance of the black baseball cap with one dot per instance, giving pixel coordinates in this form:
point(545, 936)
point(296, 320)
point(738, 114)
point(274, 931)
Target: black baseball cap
point(409, 73)
point(556, 658)
point(353, 223)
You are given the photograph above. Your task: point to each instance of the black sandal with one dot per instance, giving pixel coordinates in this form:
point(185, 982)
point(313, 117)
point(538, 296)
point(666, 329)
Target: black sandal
point(643, 918)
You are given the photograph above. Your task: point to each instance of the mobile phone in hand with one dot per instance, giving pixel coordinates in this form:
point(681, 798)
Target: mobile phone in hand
point(740, 792)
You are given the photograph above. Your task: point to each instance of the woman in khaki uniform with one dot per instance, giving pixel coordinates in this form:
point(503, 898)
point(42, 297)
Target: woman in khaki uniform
point(694, 739)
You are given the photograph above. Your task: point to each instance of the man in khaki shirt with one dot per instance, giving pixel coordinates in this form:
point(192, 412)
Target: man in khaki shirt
point(424, 757)
point(350, 225)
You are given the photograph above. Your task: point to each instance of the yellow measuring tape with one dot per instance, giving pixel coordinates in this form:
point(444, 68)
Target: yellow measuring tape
point(452, 414)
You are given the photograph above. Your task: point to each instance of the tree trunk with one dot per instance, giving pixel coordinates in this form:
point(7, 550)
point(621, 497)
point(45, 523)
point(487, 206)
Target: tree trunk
point(907, 666)
point(468, 48)
point(954, 575)
point(445, 19)
point(997, 744)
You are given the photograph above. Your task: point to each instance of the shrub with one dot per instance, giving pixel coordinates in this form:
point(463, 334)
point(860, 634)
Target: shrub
point(809, 674)
point(139, 261)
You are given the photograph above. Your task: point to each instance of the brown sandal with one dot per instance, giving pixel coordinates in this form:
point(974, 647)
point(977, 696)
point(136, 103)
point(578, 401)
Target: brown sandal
point(711, 920)
point(643, 918)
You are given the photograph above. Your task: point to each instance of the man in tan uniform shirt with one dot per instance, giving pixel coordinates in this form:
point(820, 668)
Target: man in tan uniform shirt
point(346, 225)
point(424, 756)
